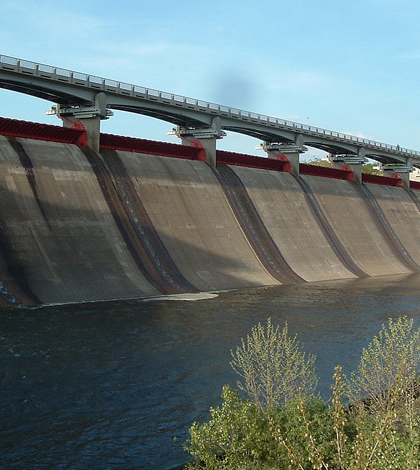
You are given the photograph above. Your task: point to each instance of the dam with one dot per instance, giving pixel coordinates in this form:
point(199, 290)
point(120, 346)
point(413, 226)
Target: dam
point(90, 384)
point(142, 218)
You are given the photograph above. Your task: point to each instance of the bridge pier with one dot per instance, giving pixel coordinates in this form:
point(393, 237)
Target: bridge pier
point(286, 152)
point(89, 116)
point(403, 171)
point(203, 137)
point(355, 162)
point(92, 127)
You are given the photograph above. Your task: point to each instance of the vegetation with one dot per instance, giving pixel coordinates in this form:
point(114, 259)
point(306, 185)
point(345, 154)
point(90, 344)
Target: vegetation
point(273, 367)
point(367, 168)
point(371, 422)
point(320, 162)
point(371, 170)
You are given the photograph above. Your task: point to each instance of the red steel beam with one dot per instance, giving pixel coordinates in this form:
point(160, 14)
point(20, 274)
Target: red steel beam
point(77, 135)
point(150, 147)
point(32, 130)
point(251, 161)
point(326, 172)
point(383, 180)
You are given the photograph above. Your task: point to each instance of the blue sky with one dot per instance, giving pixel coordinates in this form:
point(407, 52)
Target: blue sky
point(350, 66)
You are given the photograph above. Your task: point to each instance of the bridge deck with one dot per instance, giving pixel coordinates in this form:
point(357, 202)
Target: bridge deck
point(74, 88)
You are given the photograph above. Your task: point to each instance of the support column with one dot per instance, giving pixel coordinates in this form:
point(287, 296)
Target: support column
point(89, 116)
point(403, 171)
point(203, 137)
point(92, 127)
point(355, 162)
point(285, 151)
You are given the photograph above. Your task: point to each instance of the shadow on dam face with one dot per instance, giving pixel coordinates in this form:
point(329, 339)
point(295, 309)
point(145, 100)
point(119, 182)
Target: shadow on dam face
point(81, 256)
point(78, 226)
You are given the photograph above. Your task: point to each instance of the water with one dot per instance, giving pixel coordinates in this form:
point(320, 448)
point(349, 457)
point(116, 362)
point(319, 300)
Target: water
point(109, 385)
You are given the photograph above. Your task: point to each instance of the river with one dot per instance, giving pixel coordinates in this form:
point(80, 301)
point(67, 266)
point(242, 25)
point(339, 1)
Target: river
point(109, 385)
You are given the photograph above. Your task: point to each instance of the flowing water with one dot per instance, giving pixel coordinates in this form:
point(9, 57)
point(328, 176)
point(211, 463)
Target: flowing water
point(109, 385)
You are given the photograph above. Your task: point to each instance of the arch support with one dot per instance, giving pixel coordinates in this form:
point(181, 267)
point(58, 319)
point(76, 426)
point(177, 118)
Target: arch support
point(204, 137)
point(403, 171)
point(355, 162)
point(89, 116)
point(285, 151)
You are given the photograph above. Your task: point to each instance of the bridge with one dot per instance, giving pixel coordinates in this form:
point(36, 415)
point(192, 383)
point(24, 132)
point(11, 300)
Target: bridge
point(90, 99)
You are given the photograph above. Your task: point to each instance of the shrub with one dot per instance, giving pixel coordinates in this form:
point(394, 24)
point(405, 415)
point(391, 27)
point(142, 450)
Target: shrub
point(273, 366)
point(237, 435)
point(383, 393)
point(388, 367)
point(285, 426)
point(240, 436)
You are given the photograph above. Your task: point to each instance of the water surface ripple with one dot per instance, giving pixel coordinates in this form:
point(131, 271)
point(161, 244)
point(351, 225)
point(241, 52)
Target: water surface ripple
point(109, 385)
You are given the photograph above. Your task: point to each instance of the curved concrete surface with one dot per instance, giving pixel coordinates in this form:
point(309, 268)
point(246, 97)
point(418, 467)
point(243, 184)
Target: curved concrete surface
point(403, 215)
point(253, 226)
point(60, 231)
point(349, 217)
point(193, 219)
point(284, 210)
point(146, 247)
point(79, 226)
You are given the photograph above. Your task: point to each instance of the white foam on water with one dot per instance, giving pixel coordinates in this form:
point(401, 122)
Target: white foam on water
point(191, 297)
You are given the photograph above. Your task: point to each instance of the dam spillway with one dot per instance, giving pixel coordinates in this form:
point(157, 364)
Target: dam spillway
point(77, 226)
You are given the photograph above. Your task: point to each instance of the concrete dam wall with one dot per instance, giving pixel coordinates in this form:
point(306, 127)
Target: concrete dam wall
point(80, 226)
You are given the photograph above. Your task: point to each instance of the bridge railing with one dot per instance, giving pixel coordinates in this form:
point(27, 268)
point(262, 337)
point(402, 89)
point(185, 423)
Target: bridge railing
point(48, 72)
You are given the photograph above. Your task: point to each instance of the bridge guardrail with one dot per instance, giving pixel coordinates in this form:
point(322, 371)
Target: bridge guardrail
point(25, 67)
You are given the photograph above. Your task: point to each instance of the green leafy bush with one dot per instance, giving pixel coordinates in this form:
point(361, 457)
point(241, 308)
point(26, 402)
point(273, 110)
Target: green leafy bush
point(240, 436)
point(371, 422)
point(237, 434)
point(389, 366)
point(273, 366)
